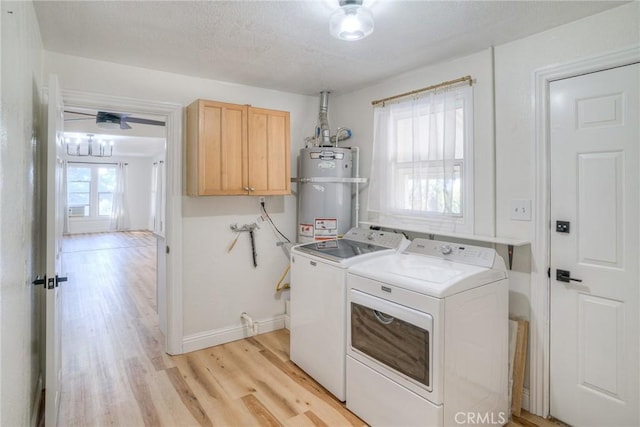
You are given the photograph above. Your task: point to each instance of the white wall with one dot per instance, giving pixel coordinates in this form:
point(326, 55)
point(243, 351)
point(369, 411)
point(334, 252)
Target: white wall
point(354, 110)
point(515, 64)
point(20, 224)
point(217, 285)
point(138, 197)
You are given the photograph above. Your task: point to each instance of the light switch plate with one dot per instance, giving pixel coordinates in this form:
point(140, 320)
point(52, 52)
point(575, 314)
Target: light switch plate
point(521, 209)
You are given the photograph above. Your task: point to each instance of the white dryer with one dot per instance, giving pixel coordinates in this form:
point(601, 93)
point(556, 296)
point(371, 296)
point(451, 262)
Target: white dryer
point(318, 300)
point(427, 337)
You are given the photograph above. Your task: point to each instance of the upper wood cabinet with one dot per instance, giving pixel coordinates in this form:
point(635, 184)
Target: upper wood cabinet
point(237, 150)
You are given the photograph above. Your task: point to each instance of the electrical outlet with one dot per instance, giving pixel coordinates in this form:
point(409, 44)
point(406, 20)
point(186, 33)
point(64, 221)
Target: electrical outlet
point(261, 199)
point(521, 209)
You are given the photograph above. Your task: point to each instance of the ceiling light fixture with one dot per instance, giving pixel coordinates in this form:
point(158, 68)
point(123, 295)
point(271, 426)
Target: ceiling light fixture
point(79, 149)
point(351, 21)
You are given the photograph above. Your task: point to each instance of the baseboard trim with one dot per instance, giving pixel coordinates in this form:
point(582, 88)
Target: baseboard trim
point(224, 335)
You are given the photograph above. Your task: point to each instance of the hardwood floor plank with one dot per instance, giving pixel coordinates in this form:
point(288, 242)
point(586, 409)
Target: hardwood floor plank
point(152, 345)
point(222, 409)
point(234, 382)
point(528, 420)
point(307, 383)
point(192, 367)
point(140, 388)
point(278, 343)
point(300, 420)
point(315, 419)
point(268, 384)
point(188, 397)
point(260, 412)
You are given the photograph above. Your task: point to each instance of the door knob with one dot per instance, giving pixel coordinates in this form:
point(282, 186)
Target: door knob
point(565, 276)
point(40, 280)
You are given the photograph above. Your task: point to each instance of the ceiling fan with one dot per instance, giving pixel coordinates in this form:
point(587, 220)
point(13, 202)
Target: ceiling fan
point(108, 120)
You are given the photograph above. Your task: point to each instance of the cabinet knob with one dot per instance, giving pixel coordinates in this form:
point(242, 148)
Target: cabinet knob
point(246, 188)
point(252, 189)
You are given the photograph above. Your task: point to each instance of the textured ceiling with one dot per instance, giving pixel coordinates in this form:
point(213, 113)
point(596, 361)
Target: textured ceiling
point(285, 45)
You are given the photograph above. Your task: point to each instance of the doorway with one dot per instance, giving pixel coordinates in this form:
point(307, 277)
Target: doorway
point(595, 247)
point(170, 251)
point(114, 178)
point(539, 353)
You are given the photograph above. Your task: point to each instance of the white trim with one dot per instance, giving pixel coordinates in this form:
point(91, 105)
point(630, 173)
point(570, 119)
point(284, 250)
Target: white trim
point(173, 114)
point(37, 401)
point(539, 292)
point(224, 335)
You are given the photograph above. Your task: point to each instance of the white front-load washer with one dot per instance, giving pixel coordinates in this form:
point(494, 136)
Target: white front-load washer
point(318, 300)
point(427, 337)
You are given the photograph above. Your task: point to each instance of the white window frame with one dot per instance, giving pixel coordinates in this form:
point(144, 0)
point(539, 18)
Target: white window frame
point(459, 223)
point(94, 194)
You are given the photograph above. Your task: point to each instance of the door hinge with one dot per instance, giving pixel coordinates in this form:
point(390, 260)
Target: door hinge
point(549, 272)
point(168, 250)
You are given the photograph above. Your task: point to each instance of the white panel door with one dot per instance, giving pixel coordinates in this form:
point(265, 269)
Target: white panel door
point(54, 226)
point(595, 187)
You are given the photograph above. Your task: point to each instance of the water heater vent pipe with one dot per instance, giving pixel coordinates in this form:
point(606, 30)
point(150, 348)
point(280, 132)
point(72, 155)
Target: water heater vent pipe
point(323, 121)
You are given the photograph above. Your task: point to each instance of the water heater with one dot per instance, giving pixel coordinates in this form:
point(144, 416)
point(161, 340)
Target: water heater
point(324, 208)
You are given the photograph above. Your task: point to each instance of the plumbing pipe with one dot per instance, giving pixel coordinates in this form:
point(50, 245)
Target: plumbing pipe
point(250, 323)
point(323, 122)
point(337, 137)
point(280, 286)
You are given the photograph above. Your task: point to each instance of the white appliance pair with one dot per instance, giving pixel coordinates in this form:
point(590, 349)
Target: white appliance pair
point(407, 337)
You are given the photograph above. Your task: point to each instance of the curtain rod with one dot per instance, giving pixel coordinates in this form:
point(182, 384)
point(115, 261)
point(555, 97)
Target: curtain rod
point(95, 163)
point(424, 89)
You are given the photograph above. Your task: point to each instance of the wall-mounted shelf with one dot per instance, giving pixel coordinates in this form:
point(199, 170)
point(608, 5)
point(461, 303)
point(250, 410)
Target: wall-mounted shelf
point(508, 241)
point(326, 179)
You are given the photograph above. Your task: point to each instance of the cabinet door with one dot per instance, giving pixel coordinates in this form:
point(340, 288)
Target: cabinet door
point(218, 149)
point(268, 152)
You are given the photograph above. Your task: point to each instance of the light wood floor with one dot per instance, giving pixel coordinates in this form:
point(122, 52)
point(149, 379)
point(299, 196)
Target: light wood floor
point(115, 371)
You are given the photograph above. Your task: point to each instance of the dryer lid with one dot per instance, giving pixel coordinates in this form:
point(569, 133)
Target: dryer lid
point(424, 268)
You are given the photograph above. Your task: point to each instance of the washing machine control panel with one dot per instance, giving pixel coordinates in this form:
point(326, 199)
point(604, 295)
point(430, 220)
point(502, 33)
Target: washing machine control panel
point(376, 237)
point(466, 254)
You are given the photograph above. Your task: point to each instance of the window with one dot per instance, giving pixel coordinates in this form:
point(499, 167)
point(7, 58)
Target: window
point(422, 171)
point(90, 190)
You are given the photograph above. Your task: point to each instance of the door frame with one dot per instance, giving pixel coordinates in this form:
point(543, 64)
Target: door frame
point(173, 212)
point(539, 353)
